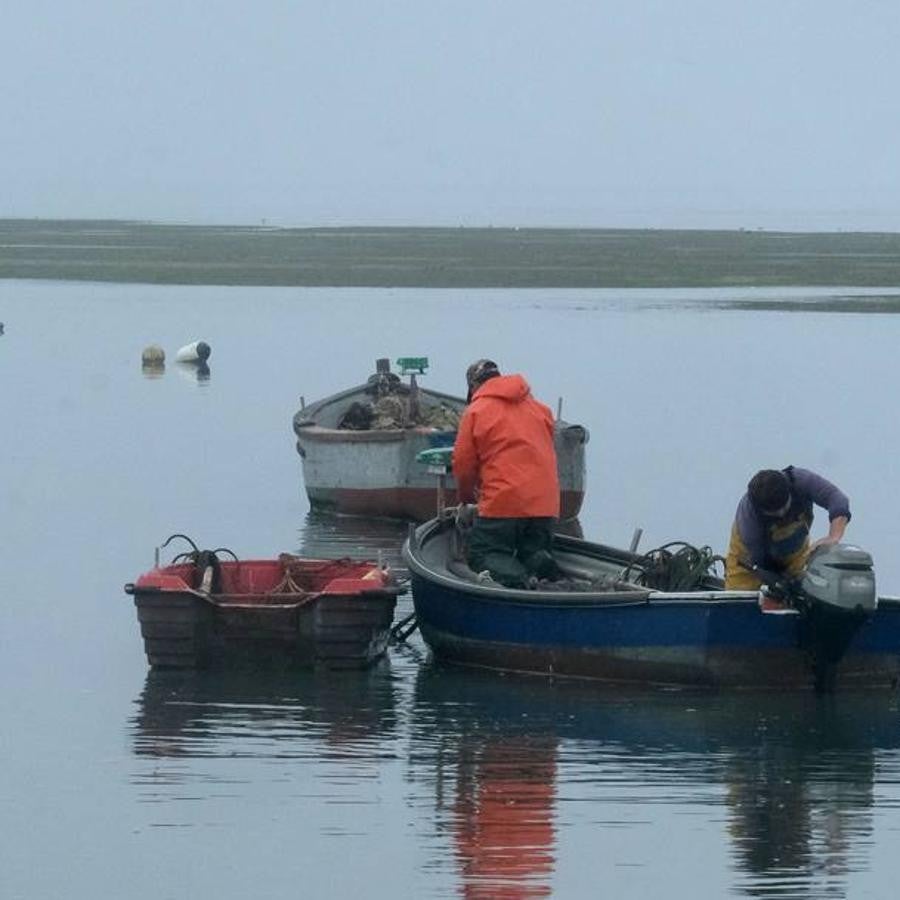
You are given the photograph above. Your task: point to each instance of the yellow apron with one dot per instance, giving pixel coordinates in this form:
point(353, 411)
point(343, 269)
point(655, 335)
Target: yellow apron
point(788, 545)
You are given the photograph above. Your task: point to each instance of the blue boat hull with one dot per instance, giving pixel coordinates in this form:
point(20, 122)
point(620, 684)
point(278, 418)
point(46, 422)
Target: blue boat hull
point(710, 639)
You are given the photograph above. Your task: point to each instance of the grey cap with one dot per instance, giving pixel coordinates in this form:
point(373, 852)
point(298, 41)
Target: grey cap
point(480, 371)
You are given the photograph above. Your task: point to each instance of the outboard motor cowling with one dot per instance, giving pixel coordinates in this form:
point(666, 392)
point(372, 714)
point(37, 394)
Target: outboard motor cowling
point(837, 594)
point(841, 575)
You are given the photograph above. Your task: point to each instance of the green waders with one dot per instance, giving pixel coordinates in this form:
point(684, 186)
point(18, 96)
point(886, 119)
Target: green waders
point(513, 550)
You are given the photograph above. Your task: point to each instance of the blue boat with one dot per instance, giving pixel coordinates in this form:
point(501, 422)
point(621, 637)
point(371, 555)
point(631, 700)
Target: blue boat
point(610, 620)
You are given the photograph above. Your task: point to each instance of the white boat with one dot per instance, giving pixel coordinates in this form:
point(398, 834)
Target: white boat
point(359, 447)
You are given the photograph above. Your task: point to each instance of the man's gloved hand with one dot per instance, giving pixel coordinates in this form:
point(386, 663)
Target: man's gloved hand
point(465, 515)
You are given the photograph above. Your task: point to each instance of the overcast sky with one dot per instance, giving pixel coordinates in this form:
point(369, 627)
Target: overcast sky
point(697, 113)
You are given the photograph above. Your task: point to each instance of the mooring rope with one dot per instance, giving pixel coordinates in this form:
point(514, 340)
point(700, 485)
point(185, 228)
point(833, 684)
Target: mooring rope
point(404, 628)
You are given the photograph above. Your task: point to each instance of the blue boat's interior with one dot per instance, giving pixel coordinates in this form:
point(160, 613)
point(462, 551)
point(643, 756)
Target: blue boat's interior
point(588, 568)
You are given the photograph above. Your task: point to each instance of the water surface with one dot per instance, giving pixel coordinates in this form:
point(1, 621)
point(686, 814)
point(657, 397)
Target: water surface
point(414, 780)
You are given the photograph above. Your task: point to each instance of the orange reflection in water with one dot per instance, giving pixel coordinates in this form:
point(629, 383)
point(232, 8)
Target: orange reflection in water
point(504, 811)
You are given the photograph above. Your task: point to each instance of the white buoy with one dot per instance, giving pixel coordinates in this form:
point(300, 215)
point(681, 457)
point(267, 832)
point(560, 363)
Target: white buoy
point(197, 352)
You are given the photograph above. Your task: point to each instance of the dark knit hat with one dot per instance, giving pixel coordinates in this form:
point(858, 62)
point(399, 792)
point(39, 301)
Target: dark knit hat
point(478, 373)
point(769, 490)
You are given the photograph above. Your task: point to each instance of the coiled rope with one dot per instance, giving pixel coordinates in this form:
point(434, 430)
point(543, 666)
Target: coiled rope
point(676, 566)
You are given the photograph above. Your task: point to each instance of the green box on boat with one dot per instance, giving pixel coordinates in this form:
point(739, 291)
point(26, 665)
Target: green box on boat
point(436, 456)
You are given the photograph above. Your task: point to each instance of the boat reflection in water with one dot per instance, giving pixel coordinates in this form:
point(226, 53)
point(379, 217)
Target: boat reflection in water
point(517, 764)
point(266, 714)
point(326, 535)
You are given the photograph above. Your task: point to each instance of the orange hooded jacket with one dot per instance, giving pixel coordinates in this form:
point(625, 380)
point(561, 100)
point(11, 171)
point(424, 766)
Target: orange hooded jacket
point(504, 447)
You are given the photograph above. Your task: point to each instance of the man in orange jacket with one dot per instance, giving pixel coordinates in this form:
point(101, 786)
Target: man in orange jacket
point(504, 455)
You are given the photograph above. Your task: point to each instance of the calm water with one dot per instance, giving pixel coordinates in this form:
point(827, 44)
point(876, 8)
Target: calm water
point(414, 780)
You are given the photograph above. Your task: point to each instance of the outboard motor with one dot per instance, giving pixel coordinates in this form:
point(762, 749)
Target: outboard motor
point(837, 594)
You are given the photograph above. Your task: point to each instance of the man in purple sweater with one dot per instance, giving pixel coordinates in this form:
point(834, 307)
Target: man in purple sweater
point(772, 523)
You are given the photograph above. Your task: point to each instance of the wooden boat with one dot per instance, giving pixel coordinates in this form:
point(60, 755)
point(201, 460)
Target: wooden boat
point(617, 626)
point(202, 611)
point(359, 461)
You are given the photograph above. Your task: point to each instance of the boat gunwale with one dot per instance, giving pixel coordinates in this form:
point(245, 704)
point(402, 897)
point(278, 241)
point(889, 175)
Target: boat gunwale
point(320, 434)
point(561, 599)
point(341, 586)
point(306, 426)
point(309, 411)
